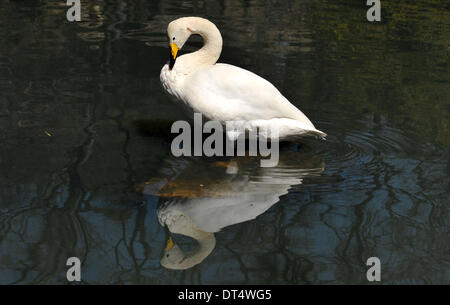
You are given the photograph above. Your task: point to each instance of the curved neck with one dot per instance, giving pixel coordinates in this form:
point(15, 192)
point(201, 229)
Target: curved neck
point(206, 243)
point(208, 54)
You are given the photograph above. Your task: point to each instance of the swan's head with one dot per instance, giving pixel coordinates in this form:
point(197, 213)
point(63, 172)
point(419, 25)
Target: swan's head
point(178, 31)
point(173, 257)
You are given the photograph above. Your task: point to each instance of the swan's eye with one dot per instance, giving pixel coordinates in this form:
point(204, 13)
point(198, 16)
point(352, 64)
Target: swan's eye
point(173, 38)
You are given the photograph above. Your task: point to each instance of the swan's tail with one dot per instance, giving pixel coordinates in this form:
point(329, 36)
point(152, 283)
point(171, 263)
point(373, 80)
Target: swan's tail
point(284, 128)
point(318, 134)
point(305, 129)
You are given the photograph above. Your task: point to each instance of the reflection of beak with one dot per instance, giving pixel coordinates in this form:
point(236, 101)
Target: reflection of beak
point(173, 54)
point(169, 244)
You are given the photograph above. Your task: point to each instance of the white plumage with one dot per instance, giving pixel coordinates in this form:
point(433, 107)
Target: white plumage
point(223, 92)
point(244, 193)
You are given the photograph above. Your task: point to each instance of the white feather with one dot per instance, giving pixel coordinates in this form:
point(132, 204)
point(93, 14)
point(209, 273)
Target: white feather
point(224, 92)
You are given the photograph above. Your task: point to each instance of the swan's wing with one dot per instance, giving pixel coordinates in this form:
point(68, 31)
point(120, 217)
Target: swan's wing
point(227, 92)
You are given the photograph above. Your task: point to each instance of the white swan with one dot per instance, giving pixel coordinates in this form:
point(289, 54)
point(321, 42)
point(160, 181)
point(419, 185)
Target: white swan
point(221, 195)
point(223, 92)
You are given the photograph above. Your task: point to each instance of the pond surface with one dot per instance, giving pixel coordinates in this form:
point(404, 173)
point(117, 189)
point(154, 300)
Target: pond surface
point(86, 167)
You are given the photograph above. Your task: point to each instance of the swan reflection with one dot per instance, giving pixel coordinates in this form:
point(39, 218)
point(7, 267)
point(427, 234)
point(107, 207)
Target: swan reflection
point(202, 197)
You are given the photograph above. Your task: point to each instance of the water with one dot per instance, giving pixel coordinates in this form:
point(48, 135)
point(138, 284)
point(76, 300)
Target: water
point(85, 162)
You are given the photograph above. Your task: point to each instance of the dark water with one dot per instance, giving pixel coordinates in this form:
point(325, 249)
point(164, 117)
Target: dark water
point(85, 159)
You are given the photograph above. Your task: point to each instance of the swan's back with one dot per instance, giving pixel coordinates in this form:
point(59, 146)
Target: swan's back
point(227, 92)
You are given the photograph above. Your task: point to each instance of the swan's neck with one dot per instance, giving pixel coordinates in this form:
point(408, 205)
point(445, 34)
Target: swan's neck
point(206, 243)
point(208, 54)
point(184, 225)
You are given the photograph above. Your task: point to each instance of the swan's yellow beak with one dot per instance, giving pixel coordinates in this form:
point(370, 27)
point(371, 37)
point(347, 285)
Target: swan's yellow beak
point(173, 50)
point(169, 244)
point(173, 54)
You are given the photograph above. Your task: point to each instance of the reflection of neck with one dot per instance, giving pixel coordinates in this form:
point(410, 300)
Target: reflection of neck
point(206, 243)
point(184, 225)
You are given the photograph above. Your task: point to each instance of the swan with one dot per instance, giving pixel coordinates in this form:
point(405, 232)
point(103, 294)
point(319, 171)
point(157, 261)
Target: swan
point(223, 92)
point(221, 194)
